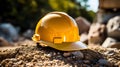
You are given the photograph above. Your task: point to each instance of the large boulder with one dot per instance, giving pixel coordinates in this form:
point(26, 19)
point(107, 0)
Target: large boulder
point(83, 24)
point(8, 32)
point(97, 34)
point(111, 43)
point(113, 27)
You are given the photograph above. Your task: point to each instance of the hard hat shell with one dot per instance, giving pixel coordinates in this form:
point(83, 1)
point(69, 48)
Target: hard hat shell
point(58, 30)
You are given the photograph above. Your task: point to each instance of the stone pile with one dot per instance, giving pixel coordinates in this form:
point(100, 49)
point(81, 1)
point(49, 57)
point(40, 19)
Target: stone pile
point(106, 35)
point(113, 31)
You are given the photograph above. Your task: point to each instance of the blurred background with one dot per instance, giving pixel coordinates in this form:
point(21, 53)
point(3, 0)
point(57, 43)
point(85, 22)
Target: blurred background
point(26, 13)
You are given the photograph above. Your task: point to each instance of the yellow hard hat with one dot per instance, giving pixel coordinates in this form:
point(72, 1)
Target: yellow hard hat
point(58, 30)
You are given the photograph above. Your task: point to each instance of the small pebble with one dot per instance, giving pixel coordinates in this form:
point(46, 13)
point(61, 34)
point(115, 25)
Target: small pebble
point(66, 54)
point(73, 57)
point(69, 59)
point(103, 62)
point(85, 65)
point(13, 59)
point(58, 53)
point(78, 54)
point(86, 61)
point(29, 64)
point(19, 62)
point(48, 55)
point(54, 53)
point(110, 52)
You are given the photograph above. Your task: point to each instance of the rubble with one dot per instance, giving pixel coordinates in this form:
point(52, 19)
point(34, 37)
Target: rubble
point(32, 55)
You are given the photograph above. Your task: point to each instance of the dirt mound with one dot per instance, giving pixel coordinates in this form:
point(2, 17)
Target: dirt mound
point(28, 54)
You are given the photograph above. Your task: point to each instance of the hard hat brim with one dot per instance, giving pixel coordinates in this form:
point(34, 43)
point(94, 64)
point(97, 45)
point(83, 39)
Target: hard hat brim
point(69, 46)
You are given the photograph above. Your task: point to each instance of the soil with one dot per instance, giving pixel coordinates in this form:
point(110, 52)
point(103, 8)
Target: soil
point(29, 54)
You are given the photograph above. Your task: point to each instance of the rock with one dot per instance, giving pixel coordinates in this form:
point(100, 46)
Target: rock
point(29, 64)
point(4, 42)
point(83, 25)
point(78, 54)
point(85, 65)
point(84, 38)
point(48, 55)
point(103, 62)
point(103, 15)
point(86, 61)
point(111, 43)
point(19, 62)
point(113, 27)
point(110, 52)
point(97, 34)
point(9, 32)
point(66, 54)
point(37, 56)
point(28, 34)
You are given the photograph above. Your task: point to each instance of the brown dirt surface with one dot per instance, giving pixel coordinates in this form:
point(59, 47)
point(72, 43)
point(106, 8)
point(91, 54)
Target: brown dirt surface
point(28, 54)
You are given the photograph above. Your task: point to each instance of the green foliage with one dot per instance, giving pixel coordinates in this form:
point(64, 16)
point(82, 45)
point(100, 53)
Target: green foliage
point(73, 8)
point(26, 13)
point(61, 5)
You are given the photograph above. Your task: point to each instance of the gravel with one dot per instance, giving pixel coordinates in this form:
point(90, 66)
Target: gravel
point(30, 55)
